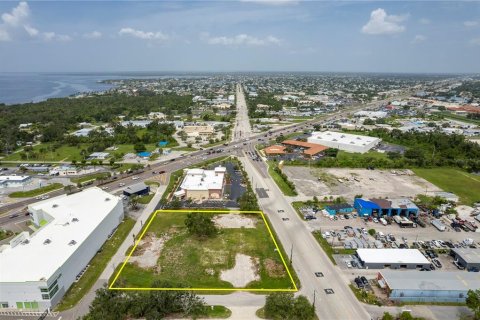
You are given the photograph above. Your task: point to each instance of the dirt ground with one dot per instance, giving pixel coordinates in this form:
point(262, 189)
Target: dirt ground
point(350, 182)
point(244, 271)
point(233, 220)
point(148, 251)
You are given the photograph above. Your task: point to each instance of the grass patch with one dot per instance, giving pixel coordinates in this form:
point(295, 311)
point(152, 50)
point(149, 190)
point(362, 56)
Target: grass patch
point(145, 199)
point(184, 149)
point(79, 289)
point(218, 312)
point(328, 248)
point(280, 181)
point(36, 192)
point(344, 156)
point(412, 303)
point(365, 296)
point(261, 313)
point(90, 177)
point(4, 234)
point(463, 184)
point(152, 183)
point(197, 263)
point(63, 153)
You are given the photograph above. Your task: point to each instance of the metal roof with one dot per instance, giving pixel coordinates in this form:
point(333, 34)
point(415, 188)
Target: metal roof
point(392, 256)
point(468, 254)
point(432, 281)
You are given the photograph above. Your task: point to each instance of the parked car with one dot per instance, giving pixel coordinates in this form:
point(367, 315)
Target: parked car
point(458, 265)
point(364, 281)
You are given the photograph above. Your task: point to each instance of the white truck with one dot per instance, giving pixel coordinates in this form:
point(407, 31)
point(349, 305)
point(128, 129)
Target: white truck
point(439, 225)
point(383, 221)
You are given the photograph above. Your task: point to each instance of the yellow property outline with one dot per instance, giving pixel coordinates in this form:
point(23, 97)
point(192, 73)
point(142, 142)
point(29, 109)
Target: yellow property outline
point(295, 289)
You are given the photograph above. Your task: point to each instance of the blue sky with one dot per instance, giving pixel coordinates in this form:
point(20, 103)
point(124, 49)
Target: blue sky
point(249, 35)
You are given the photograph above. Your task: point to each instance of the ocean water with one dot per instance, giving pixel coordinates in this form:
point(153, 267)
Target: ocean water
point(34, 87)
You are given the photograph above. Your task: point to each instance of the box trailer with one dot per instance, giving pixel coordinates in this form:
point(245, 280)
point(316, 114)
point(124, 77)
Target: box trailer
point(439, 225)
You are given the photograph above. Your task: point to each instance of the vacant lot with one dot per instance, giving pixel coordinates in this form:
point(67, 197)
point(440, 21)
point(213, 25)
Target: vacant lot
point(350, 182)
point(463, 184)
point(242, 254)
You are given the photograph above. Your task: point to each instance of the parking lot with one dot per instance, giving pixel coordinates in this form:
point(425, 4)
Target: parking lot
point(350, 182)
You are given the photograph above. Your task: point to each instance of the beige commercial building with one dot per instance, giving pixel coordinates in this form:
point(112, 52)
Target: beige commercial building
point(200, 184)
point(195, 131)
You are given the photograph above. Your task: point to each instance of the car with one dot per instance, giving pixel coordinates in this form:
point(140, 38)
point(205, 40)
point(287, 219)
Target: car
point(104, 188)
point(375, 220)
point(458, 265)
point(318, 274)
point(437, 263)
point(473, 269)
point(354, 264)
point(121, 184)
point(310, 217)
point(359, 282)
point(349, 264)
point(14, 215)
point(285, 219)
point(280, 210)
point(171, 160)
point(364, 281)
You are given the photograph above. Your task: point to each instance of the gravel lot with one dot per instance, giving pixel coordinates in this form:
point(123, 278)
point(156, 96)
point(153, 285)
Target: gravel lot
point(233, 220)
point(369, 183)
point(244, 271)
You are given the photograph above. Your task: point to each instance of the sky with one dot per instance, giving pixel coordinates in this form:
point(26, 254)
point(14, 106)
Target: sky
point(245, 35)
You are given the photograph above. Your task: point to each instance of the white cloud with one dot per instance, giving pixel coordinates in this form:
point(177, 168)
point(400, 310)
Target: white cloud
point(475, 42)
point(143, 34)
point(51, 36)
point(92, 35)
point(16, 23)
point(382, 23)
point(424, 21)
point(240, 39)
point(32, 32)
point(419, 38)
point(18, 15)
point(470, 24)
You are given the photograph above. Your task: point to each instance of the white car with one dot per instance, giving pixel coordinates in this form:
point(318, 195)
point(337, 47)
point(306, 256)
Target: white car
point(375, 220)
point(135, 178)
point(121, 184)
point(349, 264)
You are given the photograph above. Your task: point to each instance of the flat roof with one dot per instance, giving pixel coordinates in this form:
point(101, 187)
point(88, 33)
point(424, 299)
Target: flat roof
point(13, 178)
point(36, 261)
point(275, 149)
point(137, 187)
point(345, 138)
point(392, 256)
point(200, 179)
point(468, 254)
point(437, 280)
point(311, 148)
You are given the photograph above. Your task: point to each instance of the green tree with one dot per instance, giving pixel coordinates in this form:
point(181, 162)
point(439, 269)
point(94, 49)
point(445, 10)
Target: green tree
point(303, 309)
point(200, 224)
point(387, 316)
point(473, 302)
point(372, 232)
point(279, 306)
point(405, 315)
point(139, 147)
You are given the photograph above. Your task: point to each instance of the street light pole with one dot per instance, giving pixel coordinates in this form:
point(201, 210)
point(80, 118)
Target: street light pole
point(291, 254)
point(314, 297)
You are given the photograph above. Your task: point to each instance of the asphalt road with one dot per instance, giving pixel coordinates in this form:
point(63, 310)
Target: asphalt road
point(242, 128)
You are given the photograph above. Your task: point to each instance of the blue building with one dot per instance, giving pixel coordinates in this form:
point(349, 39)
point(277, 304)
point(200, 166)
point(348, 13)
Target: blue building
point(385, 207)
point(138, 189)
point(341, 208)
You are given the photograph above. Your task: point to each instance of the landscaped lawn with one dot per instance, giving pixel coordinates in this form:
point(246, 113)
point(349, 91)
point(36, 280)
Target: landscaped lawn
point(64, 153)
point(79, 289)
point(197, 263)
point(145, 199)
point(36, 192)
point(463, 184)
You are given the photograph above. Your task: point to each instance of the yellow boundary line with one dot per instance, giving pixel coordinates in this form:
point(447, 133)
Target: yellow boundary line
point(295, 289)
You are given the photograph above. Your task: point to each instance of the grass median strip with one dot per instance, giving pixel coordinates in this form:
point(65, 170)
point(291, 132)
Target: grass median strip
point(36, 192)
point(79, 289)
point(90, 177)
point(282, 182)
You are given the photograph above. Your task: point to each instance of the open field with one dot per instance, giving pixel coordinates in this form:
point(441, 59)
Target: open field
point(241, 255)
point(463, 184)
point(36, 192)
point(78, 290)
point(64, 153)
point(368, 183)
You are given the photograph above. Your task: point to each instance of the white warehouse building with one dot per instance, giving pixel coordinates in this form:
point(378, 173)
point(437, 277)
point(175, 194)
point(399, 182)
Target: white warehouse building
point(14, 181)
point(344, 141)
point(36, 270)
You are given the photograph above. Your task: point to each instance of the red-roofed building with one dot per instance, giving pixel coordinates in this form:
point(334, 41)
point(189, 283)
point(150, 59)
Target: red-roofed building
point(309, 149)
point(274, 150)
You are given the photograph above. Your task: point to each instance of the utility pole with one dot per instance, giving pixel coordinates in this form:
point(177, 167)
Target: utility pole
point(291, 254)
point(314, 297)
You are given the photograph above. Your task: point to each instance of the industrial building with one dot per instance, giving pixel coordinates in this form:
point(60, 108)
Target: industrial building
point(392, 258)
point(14, 181)
point(417, 286)
point(467, 257)
point(200, 184)
point(138, 189)
point(344, 141)
point(37, 269)
point(339, 208)
point(385, 207)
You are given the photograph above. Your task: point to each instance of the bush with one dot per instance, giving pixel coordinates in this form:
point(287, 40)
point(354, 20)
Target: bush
point(372, 232)
point(284, 306)
point(200, 224)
